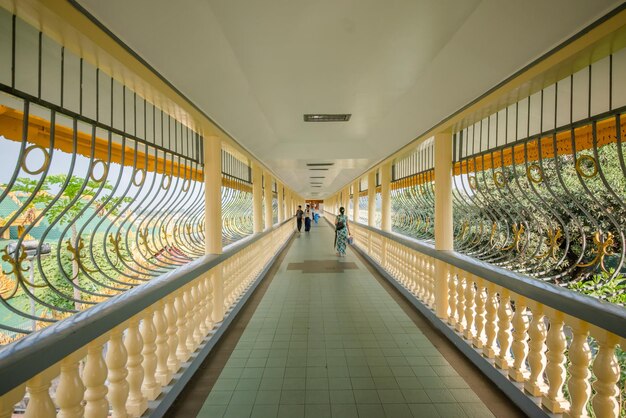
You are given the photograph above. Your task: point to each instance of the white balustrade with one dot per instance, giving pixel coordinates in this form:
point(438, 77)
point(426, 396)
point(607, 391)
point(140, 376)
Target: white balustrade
point(143, 353)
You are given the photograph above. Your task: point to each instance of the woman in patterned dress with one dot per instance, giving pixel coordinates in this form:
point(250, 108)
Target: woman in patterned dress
point(341, 232)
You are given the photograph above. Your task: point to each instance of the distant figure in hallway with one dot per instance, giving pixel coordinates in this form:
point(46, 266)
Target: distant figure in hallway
point(307, 219)
point(342, 231)
point(299, 214)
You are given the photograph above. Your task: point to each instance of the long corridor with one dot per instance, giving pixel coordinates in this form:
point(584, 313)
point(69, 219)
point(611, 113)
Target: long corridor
point(328, 340)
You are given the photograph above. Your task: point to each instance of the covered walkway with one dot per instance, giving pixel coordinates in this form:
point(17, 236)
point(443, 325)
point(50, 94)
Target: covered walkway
point(329, 339)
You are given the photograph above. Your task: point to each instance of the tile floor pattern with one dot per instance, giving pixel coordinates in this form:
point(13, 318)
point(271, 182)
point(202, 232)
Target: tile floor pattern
point(335, 345)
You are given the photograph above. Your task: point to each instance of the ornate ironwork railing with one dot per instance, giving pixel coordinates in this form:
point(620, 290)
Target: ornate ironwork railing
point(363, 214)
point(100, 189)
point(413, 194)
point(546, 198)
point(237, 220)
point(539, 186)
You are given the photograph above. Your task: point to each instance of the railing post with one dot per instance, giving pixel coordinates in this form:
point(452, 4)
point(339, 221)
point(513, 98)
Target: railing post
point(267, 179)
point(371, 198)
point(443, 217)
point(212, 195)
point(355, 201)
point(257, 198)
point(385, 194)
point(281, 207)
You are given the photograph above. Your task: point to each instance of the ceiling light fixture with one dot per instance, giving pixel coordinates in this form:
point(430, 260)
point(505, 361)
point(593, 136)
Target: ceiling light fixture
point(317, 177)
point(327, 117)
point(318, 169)
point(318, 164)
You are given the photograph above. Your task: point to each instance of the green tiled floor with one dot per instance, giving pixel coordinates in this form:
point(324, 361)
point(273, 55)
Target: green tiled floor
point(335, 345)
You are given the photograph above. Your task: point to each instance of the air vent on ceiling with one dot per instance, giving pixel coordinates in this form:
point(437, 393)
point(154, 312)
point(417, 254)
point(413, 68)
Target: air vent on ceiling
point(319, 164)
point(316, 183)
point(326, 117)
point(317, 177)
point(316, 186)
point(318, 169)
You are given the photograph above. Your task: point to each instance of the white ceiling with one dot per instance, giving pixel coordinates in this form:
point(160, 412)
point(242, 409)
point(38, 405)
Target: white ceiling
point(399, 66)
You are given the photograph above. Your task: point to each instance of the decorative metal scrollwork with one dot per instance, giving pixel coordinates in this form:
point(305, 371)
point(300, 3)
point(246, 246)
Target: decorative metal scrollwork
point(44, 165)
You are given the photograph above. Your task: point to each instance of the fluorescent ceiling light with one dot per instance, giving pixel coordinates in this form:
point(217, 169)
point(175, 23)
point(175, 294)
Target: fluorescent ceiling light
point(327, 117)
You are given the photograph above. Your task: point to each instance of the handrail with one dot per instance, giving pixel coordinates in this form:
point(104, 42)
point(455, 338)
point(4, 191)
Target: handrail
point(602, 314)
point(36, 352)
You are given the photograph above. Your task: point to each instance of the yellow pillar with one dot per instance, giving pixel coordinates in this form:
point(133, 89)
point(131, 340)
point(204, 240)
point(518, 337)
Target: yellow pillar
point(355, 201)
point(213, 195)
point(281, 203)
point(268, 200)
point(257, 198)
point(371, 198)
point(385, 194)
point(444, 233)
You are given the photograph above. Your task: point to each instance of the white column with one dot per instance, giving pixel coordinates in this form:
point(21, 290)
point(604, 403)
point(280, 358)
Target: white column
point(443, 217)
point(257, 198)
point(371, 198)
point(385, 194)
point(267, 179)
point(213, 194)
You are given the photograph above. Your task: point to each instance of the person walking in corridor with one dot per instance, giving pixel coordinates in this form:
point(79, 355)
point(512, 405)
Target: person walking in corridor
point(299, 214)
point(307, 219)
point(342, 231)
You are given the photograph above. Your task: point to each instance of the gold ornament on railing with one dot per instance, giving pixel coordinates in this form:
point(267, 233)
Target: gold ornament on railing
point(76, 254)
point(116, 245)
point(464, 229)
point(143, 235)
point(518, 232)
point(492, 236)
point(554, 238)
point(16, 268)
point(603, 248)
point(580, 169)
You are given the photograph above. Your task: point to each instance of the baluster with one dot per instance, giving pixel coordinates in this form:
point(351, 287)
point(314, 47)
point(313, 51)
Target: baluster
point(40, 404)
point(173, 364)
point(181, 326)
point(460, 298)
point(116, 363)
point(579, 386)
point(149, 387)
point(607, 372)
point(518, 371)
point(9, 399)
point(479, 301)
point(535, 385)
point(452, 297)
point(198, 336)
point(489, 349)
point(69, 394)
point(555, 369)
point(469, 308)
point(203, 305)
point(163, 375)
point(209, 303)
point(136, 403)
point(503, 360)
point(94, 377)
point(431, 282)
point(191, 325)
